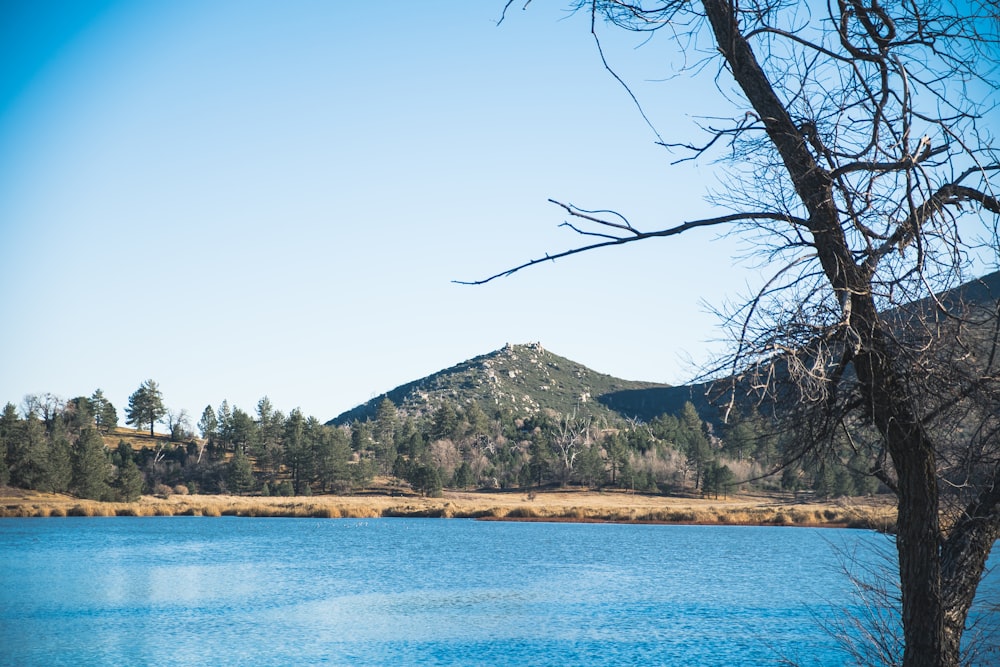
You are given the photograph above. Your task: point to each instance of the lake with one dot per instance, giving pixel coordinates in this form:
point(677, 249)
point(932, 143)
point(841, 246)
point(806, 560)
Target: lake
point(239, 591)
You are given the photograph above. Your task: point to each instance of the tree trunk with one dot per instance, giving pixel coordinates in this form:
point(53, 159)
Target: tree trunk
point(917, 539)
point(963, 561)
point(918, 529)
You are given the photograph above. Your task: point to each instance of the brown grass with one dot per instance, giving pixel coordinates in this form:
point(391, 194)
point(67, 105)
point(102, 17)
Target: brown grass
point(562, 505)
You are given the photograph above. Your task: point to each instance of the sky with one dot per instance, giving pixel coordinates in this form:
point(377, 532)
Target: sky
point(244, 198)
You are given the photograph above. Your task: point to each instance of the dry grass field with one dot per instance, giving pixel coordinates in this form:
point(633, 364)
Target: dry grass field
point(555, 505)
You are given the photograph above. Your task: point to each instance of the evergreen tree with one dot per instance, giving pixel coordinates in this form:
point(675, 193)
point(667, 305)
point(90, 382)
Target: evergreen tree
point(77, 415)
point(333, 455)
point(128, 481)
point(91, 466)
point(864, 482)
point(123, 453)
point(208, 424)
point(479, 423)
point(539, 468)
point(59, 459)
point(28, 454)
point(843, 482)
point(445, 422)
point(105, 414)
point(791, 478)
point(10, 425)
point(426, 479)
point(269, 425)
point(145, 406)
point(241, 479)
point(384, 435)
point(242, 430)
point(362, 473)
point(224, 425)
point(696, 445)
point(667, 427)
point(463, 476)
point(266, 444)
point(298, 451)
point(590, 467)
point(616, 447)
point(718, 479)
point(361, 436)
point(411, 440)
point(739, 439)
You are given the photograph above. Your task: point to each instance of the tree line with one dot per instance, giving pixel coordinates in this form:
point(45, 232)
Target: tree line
point(69, 447)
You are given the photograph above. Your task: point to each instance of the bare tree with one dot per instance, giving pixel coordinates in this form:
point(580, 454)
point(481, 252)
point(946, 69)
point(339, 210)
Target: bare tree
point(179, 424)
point(858, 164)
point(571, 435)
point(46, 406)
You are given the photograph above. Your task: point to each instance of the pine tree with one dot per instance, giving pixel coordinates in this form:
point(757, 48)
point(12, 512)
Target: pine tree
point(59, 459)
point(361, 436)
point(128, 481)
point(27, 452)
point(77, 415)
point(243, 431)
point(91, 466)
point(333, 456)
point(384, 435)
point(9, 426)
point(145, 406)
point(105, 414)
point(241, 477)
point(444, 424)
point(208, 423)
point(298, 450)
point(696, 445)
point(224, 425)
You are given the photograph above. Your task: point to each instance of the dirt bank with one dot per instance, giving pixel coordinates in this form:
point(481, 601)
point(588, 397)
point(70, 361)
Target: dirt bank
point(559, 505)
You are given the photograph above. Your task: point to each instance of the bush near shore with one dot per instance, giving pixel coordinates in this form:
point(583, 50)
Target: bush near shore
point(561, 505)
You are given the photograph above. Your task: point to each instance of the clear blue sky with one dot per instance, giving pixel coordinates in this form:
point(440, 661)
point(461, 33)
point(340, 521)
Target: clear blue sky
point(240, 198)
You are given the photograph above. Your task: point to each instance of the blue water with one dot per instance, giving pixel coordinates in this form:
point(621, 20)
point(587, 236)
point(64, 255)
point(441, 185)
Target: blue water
point(238, 591)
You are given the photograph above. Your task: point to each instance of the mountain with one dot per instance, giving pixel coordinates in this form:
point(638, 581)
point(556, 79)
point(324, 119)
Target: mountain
point(528, 378)
point(525, 379)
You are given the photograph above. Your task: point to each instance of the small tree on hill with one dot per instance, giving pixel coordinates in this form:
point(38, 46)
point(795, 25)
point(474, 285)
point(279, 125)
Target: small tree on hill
point(145, 406)
point(105, 414)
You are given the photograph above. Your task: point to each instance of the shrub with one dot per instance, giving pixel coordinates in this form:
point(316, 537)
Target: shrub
point(162, 491)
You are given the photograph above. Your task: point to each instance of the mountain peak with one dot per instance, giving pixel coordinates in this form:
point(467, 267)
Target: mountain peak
point(525, 378)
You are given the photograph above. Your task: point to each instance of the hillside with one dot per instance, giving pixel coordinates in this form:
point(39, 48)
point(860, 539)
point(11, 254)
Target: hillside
point(525, 379)
point(528, 378)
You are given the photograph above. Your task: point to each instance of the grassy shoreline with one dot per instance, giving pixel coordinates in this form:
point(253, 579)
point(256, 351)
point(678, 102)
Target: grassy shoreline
point(556, 505)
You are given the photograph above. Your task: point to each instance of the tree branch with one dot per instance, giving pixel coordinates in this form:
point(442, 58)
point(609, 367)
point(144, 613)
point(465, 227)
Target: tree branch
point(635, 235)
point(950, 194)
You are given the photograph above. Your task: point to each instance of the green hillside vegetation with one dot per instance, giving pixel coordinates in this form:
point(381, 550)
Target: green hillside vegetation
point(517, 418)
point(58, 446)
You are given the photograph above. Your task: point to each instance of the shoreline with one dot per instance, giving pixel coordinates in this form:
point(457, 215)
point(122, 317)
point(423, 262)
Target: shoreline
point(577, 506)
